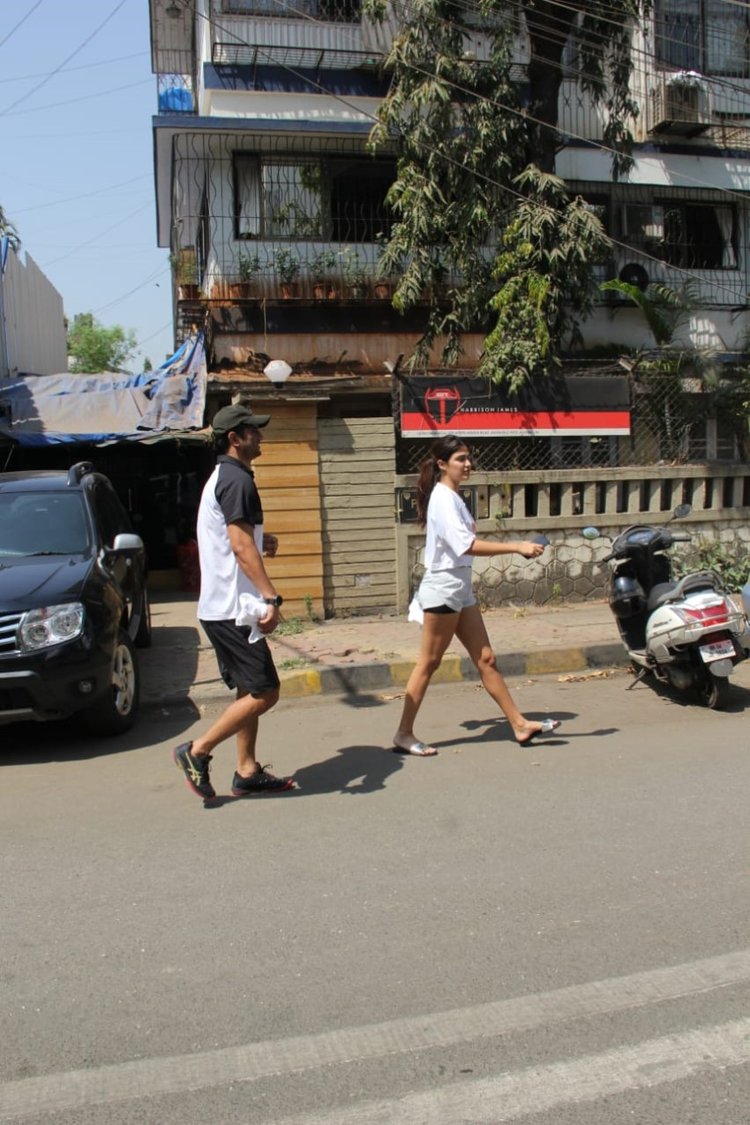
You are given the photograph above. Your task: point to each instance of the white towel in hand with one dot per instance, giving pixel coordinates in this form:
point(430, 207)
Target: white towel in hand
point(252, 610)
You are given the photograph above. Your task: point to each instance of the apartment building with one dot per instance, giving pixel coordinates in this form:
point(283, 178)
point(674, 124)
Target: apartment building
point(273, 209)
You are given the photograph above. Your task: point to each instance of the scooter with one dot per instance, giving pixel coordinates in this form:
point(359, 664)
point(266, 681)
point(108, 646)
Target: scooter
point(687, 633)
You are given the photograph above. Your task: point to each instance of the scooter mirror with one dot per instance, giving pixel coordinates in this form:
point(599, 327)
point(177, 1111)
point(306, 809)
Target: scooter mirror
point(539, 538)
point(682, 511)
point(591, 533)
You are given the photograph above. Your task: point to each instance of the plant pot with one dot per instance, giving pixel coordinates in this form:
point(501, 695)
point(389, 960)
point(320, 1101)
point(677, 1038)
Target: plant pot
point(240, 290)
point(382, 290)
point(357, 292)
point(289, 290)
point(188, 292)
point(320, 291)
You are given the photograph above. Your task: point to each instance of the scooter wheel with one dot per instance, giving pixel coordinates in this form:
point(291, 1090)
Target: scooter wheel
point(714, 691)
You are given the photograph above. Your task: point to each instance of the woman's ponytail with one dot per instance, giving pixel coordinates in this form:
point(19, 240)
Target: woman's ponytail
point(429, 472)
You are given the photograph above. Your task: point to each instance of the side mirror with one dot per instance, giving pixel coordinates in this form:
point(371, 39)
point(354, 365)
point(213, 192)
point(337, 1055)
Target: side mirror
point(126, 541)
point(682, 511)
point(591, 533)
point(539, 538)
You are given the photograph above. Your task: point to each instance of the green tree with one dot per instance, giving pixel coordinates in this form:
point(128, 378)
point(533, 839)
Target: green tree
point(472, 159)
point(7, 229)
point(95, 349)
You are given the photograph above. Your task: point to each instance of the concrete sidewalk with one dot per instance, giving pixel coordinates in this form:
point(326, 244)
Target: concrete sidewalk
point(356, 655)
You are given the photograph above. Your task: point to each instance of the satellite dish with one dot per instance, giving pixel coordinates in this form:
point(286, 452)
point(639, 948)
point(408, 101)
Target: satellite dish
point(633, 273)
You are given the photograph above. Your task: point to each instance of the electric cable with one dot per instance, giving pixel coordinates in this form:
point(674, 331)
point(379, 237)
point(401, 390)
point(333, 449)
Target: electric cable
point(74, 69)
point(82, 98)
point(84, 195)
point(100, 234)
point(72, 55)
point(160, 272)
point(20, 23)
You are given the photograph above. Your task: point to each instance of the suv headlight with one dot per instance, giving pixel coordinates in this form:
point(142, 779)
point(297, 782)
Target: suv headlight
point(52, 625)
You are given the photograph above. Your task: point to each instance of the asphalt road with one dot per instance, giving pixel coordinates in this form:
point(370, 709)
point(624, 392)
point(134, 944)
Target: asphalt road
point(552, 935)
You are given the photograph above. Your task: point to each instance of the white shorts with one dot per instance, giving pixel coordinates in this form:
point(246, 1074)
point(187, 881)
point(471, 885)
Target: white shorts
point(446, 588)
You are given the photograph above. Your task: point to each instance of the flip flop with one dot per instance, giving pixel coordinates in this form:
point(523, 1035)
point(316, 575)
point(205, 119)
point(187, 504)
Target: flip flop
point(419, 749)
point(547, 727)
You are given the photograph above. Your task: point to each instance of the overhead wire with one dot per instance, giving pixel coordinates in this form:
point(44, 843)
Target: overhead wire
point(96, 237)
point(72, 55)
point(82, 98)
point(83, 195)
point(566, 31)
point(20, 23)
point(74, 69)
point(160, 272)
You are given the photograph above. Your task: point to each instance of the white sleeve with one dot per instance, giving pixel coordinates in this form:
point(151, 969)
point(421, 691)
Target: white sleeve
point(452, 525)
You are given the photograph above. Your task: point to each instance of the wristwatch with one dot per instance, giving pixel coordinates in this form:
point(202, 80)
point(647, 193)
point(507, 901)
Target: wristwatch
point(277, 601)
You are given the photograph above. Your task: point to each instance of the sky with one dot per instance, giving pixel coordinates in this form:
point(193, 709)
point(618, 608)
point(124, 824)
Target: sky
point(76, 167)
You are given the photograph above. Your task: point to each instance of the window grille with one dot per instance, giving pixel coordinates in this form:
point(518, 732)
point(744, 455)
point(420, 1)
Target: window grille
point(340, 200)
point(707, 36)
point(331, 11)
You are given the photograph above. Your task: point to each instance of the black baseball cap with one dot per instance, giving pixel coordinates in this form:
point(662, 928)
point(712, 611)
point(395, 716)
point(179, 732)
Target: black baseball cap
point(235, 417)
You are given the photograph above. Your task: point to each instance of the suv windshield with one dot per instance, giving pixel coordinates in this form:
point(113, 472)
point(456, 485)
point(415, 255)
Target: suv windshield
point(42, 523)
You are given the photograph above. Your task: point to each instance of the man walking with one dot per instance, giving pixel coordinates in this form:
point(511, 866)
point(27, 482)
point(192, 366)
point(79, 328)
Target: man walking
point(231, 545)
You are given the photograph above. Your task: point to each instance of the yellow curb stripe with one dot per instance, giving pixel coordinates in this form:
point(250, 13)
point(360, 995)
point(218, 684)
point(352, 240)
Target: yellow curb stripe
point(297, 684)
point(449, 671)
point(556, 660)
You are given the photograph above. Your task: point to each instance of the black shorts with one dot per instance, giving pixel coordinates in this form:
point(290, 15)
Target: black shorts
point(247, 667)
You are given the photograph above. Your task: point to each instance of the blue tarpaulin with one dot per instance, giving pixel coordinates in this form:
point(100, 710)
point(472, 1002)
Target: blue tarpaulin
point(40, 410)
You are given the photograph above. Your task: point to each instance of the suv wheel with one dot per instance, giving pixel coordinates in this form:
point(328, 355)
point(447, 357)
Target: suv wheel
point(115, 712)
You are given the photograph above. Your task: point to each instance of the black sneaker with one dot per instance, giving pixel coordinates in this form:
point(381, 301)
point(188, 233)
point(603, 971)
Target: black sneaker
point(195, 767)
point(261, 782)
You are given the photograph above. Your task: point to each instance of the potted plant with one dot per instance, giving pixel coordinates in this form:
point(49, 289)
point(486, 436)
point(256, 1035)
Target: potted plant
point(287, 267)
point(186, 274)
point(383, 285)
point(248, 265)
point(355, 274)
point(321, 265)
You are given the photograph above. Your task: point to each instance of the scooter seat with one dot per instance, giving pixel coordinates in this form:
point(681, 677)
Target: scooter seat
point(659, 594)
point(665, 592)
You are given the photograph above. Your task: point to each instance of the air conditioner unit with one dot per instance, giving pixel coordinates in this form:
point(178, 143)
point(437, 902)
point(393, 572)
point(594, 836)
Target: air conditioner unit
point(680, 104)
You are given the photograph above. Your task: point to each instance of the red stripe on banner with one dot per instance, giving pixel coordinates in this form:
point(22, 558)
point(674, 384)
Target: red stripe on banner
point(546, 423)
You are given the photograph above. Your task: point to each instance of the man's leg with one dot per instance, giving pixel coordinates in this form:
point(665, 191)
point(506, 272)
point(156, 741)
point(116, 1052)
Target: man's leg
point(253, 667)
point(240, 718)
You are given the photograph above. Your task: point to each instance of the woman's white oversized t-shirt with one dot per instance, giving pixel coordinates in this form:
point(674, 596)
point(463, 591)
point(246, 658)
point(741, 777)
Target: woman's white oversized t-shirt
point(450, 530)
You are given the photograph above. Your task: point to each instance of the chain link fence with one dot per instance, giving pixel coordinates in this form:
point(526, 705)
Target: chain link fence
point(674, 420)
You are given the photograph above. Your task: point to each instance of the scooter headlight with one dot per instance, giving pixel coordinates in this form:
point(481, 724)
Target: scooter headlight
point(51, 625)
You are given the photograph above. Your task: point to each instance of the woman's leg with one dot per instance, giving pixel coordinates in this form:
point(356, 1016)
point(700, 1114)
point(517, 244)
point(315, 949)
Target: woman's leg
point(437, 633)
point(472, 633)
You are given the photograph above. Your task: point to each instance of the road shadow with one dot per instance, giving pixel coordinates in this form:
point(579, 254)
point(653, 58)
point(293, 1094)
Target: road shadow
point(497, 729)
point(170, 666)
point(353, 770)
point(738, 698)
point(64, 740)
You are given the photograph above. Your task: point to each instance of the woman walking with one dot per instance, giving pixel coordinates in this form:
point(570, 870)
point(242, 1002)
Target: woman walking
point(445, 596)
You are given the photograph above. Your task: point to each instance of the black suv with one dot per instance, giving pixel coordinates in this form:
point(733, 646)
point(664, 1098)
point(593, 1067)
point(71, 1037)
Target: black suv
point(73, 600)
